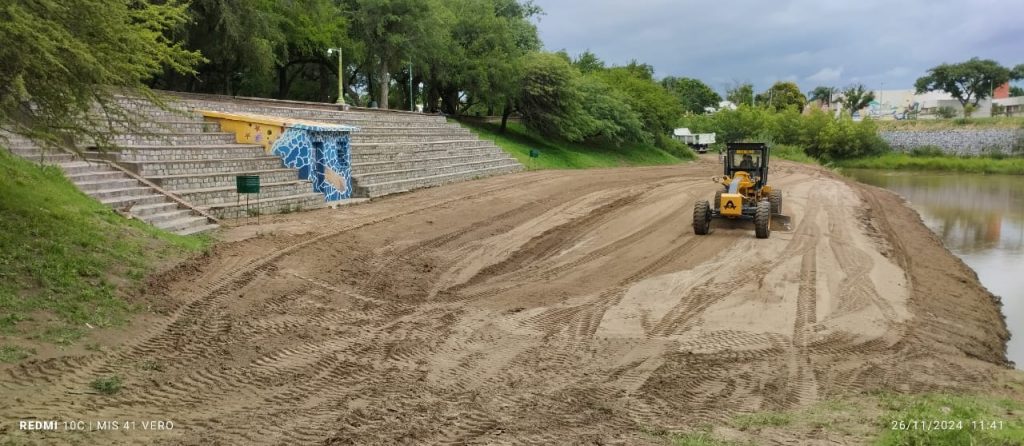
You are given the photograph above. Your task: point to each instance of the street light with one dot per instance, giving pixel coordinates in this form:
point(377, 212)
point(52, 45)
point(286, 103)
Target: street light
point(341, 76)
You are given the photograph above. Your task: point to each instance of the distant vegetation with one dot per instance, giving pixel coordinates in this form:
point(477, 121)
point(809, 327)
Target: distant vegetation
point(64, 256)
point(902, 161)
point(518, 140)
point(819, 134)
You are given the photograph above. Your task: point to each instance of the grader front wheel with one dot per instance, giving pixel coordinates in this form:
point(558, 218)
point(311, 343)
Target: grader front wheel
point(763, 219)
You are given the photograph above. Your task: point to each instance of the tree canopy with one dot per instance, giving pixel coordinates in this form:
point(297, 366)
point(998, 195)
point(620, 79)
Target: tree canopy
point(783, 95)
point(61, 59)
point(969, 82)
point(694, 95)
point(856, 97)
point(740, 94)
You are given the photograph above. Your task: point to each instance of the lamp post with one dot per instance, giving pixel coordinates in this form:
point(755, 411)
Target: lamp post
point(341, 75)
point(412, 106)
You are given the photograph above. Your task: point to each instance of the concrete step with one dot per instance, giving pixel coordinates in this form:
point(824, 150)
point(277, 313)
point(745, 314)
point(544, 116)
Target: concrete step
point(416, 145)
point(143, 210)
point(95, 176)
point(84, 167)
point(358, 157)
point(428, 172)
point(141, 199)
point(265, 206)
point(380, 189)
point(197, 229)
point(172, 139)
point(195, 167)
point(183, 223)
point(362, 138)
point(200, 181)
point(196, 125)
point(313, 113)
point(39, 156)
point(425, 162)
point(440, 130)
point(115, 192)
point(122, 181)
point(187, 153)
point(228, 195)
point(156, 219)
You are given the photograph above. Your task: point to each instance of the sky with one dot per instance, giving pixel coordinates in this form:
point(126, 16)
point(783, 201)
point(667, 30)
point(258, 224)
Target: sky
point(881, 44)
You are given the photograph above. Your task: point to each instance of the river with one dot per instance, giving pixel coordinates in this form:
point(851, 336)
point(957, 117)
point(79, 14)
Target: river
point(981, 219)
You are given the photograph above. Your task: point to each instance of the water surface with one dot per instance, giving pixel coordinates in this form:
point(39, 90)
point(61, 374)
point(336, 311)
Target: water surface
point(981, 219)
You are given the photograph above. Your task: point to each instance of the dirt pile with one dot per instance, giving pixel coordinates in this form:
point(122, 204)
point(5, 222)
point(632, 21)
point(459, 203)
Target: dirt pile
point(549, 307)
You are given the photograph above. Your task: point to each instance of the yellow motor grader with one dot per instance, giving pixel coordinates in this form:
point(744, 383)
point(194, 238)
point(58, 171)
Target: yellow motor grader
point(745, 192)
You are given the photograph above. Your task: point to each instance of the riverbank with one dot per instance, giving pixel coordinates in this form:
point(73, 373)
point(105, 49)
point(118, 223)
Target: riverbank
point(517, 140)
point(903, 161)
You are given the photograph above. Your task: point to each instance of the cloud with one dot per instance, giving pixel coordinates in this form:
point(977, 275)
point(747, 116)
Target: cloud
point(877, 41)
point(826, 75)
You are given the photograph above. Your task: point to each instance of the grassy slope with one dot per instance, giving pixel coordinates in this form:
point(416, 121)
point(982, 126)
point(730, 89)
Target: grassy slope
point(518, 141)
point(869, 419)
point(899, 161)
point(66, 259)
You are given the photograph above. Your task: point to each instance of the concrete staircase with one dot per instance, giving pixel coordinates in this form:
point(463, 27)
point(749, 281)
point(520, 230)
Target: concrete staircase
point(393, 151)
point(185, 155)
point(117, 189)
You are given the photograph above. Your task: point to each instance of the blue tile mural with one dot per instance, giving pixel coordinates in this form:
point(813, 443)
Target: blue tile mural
point(321, 155)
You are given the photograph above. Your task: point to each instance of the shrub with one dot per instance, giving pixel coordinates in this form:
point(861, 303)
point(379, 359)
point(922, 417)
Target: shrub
point(946, 112)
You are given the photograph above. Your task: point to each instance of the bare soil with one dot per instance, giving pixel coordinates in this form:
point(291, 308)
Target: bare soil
point(547, 307)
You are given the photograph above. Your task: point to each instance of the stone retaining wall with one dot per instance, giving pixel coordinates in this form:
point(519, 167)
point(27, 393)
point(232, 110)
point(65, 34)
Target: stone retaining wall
point(956, 141)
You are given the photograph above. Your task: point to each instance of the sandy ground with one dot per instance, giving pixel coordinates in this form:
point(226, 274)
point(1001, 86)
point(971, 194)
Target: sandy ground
point(544, 307)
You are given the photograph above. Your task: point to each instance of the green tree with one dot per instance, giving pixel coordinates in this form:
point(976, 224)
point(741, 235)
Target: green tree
point(548, 100)
point(1016, 91)
point(856, 97)
point(588, 62)
point(740, 94)
point(824, 95)
point(611, 117)
point(60, 56)
point(309, 28)
point(392, 32)
point(782, 95)
point(969, 82)
point(692, 93)
point(658, 108)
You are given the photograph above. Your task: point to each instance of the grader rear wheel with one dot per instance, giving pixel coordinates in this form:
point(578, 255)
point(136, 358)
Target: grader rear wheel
point(763, 219)
point(776, 200)
point(701, 217)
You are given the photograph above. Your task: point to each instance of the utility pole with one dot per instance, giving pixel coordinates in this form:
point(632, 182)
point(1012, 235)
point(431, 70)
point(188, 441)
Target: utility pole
point(412, 102)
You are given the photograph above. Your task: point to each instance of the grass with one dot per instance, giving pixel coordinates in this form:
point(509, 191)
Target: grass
point(792, 153)
point(13, 353)
point(868, 419)
point(65, 259)
point(518, 141)
point(941, 124)
point(900, 161)
point(107, 385)
point(963, 414)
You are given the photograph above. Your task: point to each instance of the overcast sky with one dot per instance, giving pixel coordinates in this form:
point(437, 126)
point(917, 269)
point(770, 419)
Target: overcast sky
point(812, 42)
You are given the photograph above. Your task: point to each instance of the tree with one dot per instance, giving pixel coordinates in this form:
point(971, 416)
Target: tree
point(588, 62)
point(692, 93)
point(1016, 91)
point(855, 97)
point(824, 95)
point(658, 108)
point(548, 99)
point(782, 95)
point(60, 57)
point(393, 31)
point(969, 82)
point(740, 94)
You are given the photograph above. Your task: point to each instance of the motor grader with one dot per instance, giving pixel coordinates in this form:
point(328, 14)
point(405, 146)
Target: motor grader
point(745, 193)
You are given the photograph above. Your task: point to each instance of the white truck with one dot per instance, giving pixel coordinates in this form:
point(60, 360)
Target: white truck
point(697, 141)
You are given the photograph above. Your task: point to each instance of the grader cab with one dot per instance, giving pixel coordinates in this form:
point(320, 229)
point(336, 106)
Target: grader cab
point(745, 192)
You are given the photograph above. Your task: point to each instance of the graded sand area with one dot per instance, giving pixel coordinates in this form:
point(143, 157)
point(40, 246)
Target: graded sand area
point(551, 307)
